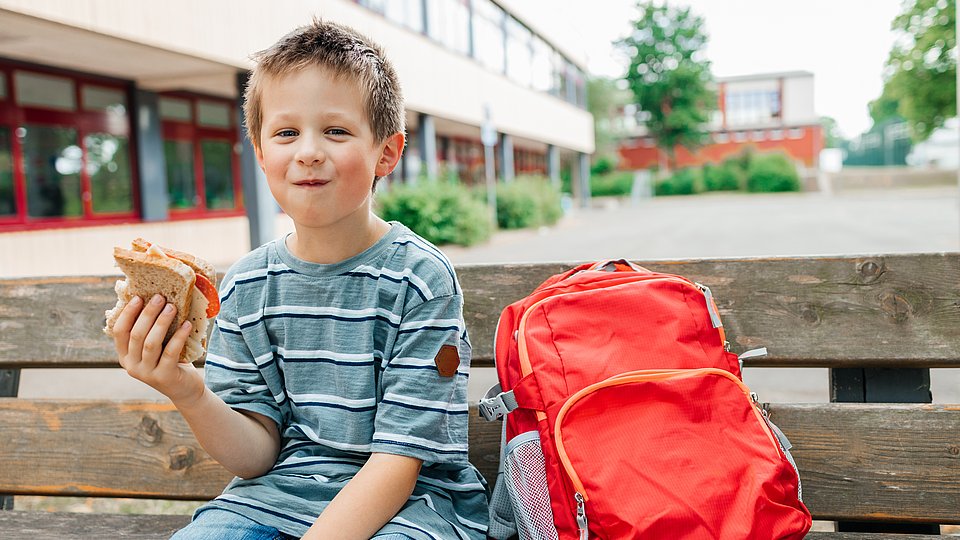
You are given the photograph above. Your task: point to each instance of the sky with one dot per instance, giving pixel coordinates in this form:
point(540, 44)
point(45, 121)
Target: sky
point(845, 43)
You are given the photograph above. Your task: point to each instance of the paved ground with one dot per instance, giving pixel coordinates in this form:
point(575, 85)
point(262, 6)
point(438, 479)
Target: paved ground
point(899, 221)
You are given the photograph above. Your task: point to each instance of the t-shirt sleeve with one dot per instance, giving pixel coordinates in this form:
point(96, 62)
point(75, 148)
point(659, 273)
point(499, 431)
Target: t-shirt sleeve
point(423, 413)
point(231, 371)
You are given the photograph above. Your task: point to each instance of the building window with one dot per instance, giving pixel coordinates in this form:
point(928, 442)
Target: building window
point(757, 135)
point(519, 59)
point(52, 161)
point(488, 36)
point(542, 65)
point(176, 109)
point(407, 13)
point(739, 136)
point(199, 135)
point(218, 174)
point(721, 137)
point(752, 106)
point(108, 166)
point(181, 183)
point(8, 200)
point(795, 133)
point(45, 91)
point(776, 134)
point(448, 22)
point(71, 134)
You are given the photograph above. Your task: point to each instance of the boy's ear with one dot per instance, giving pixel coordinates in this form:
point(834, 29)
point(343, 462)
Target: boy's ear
point(259, 153)
point(390, 154)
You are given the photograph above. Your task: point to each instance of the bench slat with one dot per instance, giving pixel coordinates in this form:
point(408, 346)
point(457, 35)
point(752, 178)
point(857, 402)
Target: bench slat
point(66, 526)
point(850, 455)
point(893, 311)
point(139, 449)
point(883, 462)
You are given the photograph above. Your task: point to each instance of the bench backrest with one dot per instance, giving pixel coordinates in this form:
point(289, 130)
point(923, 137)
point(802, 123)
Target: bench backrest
point(857, 461)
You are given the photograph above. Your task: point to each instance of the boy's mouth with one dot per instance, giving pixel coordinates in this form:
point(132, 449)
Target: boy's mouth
point(311, 183)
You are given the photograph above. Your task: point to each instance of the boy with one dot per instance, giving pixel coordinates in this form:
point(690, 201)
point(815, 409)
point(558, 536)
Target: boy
point(336, 372)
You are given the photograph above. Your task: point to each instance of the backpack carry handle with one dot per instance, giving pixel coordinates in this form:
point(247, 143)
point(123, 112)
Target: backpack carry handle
point(608, 265)
point(617, 265)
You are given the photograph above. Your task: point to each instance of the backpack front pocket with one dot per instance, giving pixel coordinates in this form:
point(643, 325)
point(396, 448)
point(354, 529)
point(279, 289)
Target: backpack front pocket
point(675, 454)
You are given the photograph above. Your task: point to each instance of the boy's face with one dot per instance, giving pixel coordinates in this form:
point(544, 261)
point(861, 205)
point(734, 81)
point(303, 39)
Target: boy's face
point(317, 148)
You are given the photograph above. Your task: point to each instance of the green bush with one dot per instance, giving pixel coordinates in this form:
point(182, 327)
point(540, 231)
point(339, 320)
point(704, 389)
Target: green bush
point(603, 165)
point(724, 177)
point(527, 202)
point(441, 212)
point(683, 182)
point(772, 173)
point(613, 184)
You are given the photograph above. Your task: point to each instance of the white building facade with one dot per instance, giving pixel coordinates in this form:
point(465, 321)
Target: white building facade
point(122, 117)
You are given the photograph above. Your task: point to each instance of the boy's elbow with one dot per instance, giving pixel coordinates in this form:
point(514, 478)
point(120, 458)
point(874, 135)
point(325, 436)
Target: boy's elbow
point(247, 471)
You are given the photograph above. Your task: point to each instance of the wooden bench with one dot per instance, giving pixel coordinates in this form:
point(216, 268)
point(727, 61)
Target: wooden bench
point(872, 320)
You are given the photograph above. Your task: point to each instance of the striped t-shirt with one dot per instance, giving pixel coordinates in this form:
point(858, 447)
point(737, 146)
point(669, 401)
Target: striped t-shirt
point(342, 357)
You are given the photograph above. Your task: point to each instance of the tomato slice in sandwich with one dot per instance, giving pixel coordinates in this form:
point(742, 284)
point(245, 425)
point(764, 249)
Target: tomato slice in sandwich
point(210, 292)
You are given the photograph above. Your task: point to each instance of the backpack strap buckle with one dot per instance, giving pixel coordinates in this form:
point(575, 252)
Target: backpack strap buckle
point(496, 404)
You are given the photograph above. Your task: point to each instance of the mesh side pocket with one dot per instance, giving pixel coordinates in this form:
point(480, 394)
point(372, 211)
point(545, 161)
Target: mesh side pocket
point(526, 479)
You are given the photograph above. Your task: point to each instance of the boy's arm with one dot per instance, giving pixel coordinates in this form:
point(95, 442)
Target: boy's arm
point(369, 500)
point(246, 444)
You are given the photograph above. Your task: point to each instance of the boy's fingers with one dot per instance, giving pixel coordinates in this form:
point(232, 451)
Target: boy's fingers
point(124, 323)
point(145, 322)
point(171, 354)
point(153, 345)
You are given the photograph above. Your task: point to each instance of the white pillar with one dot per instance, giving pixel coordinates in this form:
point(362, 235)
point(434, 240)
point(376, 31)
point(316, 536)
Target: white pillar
point(427, 137)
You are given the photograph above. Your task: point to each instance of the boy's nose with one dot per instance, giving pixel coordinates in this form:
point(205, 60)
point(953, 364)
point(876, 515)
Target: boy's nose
point(310, 153)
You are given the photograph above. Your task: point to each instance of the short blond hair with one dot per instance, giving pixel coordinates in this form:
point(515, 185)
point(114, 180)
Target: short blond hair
point(345, 52)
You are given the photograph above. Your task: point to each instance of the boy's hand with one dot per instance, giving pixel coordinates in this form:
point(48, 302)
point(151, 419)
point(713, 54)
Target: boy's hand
point(138, 337)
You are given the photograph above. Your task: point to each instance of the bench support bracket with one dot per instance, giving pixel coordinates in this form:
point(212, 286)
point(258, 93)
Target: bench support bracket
point(9, 385)
point(882, 385)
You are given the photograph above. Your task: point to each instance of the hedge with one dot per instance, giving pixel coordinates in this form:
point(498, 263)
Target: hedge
point(441, 212)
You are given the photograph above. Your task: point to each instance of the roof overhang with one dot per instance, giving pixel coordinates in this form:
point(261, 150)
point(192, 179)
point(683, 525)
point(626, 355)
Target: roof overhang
point(40, 41)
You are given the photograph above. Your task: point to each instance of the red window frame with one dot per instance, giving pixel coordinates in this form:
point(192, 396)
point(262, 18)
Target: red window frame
point(14, 116)
point(193, 132)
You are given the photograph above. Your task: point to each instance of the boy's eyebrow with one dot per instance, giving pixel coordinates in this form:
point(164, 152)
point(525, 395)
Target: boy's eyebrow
point(330, 115)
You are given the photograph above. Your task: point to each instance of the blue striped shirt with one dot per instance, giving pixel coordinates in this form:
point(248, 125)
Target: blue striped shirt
point(342, 358)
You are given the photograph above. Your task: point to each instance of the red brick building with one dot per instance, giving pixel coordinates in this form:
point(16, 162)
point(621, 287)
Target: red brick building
point(766, 112)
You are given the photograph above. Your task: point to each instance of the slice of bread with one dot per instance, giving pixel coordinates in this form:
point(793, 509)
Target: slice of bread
point(148, 275)
point(198, 265)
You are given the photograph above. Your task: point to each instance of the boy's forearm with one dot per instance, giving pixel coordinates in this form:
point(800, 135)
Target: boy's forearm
point(246, 445)
point(369, 500)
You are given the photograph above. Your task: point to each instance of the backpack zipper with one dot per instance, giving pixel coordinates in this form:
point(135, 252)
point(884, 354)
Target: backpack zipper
point(582, 517)
point(580, 495)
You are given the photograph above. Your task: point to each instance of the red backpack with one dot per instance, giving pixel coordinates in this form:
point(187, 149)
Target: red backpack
point(626, 417)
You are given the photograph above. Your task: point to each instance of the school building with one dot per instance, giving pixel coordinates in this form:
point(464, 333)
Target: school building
point(122, 118)
point(771, 112)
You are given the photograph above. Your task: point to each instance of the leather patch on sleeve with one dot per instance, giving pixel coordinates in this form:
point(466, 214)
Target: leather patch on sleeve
point(448, 360)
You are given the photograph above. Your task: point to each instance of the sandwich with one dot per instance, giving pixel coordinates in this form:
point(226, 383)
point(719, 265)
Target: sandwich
point(187, 282)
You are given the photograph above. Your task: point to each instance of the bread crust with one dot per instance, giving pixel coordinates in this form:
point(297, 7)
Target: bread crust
point(198, 265)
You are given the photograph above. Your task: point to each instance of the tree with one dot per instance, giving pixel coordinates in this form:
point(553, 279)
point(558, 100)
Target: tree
point(605, 101)
point(831, 138)
point(921, 71)
point(884, 108)
point(669, 76)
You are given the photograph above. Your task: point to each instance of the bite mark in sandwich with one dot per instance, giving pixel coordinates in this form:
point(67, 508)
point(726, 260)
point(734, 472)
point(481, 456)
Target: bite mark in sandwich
point(186, 281)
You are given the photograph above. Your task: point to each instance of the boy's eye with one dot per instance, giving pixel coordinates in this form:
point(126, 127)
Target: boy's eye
point(287, 133)
point(337, 132)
